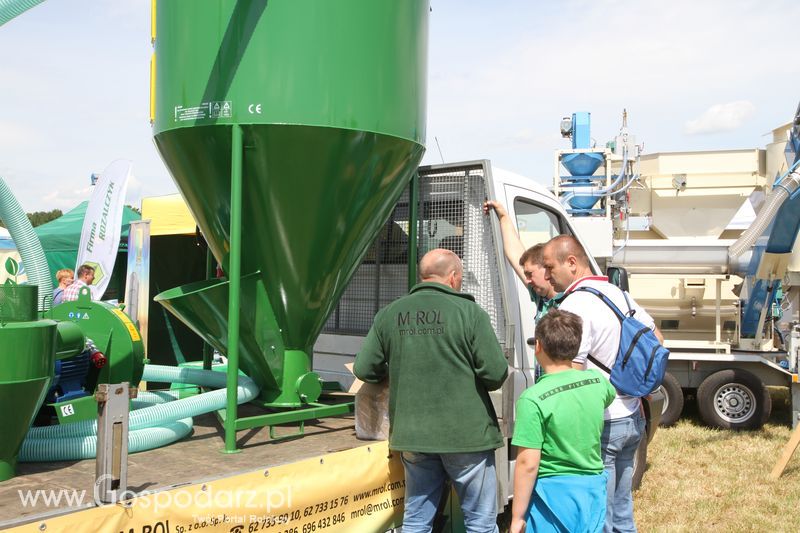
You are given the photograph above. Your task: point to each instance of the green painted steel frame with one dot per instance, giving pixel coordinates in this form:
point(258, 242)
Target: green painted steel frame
point(208, 350)
point(317, 410)
point(235, 276)
point(413, 227)
point(232, 424)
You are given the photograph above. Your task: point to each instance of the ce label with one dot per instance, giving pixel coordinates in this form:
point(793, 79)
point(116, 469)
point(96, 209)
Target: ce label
point(254, 109)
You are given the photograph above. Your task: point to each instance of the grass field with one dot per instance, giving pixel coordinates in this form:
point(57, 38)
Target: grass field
point(701, 479)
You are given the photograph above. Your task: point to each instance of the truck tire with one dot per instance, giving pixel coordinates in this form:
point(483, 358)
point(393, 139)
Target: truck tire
point(673, 400)
point(733, 399)
point(639, 463)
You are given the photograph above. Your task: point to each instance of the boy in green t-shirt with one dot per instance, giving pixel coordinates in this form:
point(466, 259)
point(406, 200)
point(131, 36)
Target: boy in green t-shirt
point(559, 481)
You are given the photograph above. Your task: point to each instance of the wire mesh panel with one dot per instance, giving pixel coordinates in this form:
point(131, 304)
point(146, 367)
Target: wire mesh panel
point(452, 218)
point(381, 278)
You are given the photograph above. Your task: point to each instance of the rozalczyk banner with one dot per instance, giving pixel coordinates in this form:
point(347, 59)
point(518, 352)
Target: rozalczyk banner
point(102, 224)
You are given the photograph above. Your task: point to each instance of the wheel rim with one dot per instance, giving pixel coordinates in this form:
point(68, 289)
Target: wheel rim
point(735, 403)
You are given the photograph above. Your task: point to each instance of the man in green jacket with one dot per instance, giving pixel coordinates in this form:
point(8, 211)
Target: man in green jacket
point(440, 353)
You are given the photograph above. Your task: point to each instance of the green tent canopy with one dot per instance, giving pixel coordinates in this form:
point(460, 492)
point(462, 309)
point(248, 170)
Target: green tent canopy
point(61, 237)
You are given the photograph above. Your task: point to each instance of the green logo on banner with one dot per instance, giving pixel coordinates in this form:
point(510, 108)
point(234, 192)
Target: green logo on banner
point(98, 272)
point(12, 269)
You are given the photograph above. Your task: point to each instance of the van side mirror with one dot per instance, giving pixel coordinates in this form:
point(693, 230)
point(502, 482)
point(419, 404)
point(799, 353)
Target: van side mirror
point(618, 276)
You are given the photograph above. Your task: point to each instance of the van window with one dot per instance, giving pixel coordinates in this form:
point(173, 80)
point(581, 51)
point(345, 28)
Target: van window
point(537, 224)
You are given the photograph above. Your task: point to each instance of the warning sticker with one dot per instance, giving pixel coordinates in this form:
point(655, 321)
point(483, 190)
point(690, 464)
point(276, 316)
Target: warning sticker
point(128, 324)
point(215, 109)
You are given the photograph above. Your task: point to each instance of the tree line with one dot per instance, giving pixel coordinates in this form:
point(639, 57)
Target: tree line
point(38, 218)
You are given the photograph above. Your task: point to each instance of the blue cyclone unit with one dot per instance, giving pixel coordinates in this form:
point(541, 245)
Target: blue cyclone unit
point(579, 186)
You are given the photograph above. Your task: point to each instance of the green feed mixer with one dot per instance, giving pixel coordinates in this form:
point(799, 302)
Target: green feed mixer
point(290, 127)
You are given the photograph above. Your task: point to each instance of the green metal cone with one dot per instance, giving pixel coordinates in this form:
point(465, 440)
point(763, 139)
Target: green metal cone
point(27, 362)
point(26, 397)
point(203, 306)
point(308, 218)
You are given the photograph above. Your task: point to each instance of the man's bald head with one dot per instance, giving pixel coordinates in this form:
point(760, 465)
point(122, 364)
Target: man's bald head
point(442, 266)
point(564, 246)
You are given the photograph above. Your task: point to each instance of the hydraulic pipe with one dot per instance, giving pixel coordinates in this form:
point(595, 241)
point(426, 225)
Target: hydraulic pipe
point(605, 191)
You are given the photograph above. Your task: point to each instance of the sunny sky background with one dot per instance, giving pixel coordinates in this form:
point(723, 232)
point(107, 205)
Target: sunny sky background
point(693, 74)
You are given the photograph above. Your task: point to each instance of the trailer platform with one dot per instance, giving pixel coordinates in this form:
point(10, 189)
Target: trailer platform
point(42, 492)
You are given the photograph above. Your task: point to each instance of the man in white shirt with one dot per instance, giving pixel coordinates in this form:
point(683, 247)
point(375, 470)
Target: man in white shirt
point(83, 278)
point(567, 267)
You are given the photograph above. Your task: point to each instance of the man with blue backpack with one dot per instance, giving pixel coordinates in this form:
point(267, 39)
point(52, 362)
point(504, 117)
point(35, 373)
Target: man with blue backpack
point(621, 340)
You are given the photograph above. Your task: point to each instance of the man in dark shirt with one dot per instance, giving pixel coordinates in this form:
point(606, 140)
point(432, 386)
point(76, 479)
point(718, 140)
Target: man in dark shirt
point(440, 353)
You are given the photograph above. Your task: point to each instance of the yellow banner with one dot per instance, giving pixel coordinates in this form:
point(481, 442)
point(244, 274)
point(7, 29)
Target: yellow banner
point(361, 489)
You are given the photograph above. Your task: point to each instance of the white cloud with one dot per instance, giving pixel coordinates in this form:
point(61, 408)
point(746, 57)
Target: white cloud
point(721, 117)
point(65, 199)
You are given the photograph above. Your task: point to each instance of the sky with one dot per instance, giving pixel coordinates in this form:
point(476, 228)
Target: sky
point(693, 75)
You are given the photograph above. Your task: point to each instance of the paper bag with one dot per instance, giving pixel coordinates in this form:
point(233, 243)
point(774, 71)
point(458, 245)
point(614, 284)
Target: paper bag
point(372, 409)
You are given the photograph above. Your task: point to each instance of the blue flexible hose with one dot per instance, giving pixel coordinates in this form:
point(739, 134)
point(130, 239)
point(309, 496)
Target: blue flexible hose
point(85, 447)
point(149, 427)
point(10, 9)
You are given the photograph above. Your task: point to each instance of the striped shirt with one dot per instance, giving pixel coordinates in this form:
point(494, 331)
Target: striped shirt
point(71, 292)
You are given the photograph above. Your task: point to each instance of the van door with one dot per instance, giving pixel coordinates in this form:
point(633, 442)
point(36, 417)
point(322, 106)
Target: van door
point(538, 219)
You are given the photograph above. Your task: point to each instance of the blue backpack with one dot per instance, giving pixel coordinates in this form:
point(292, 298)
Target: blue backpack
point(641, 359)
